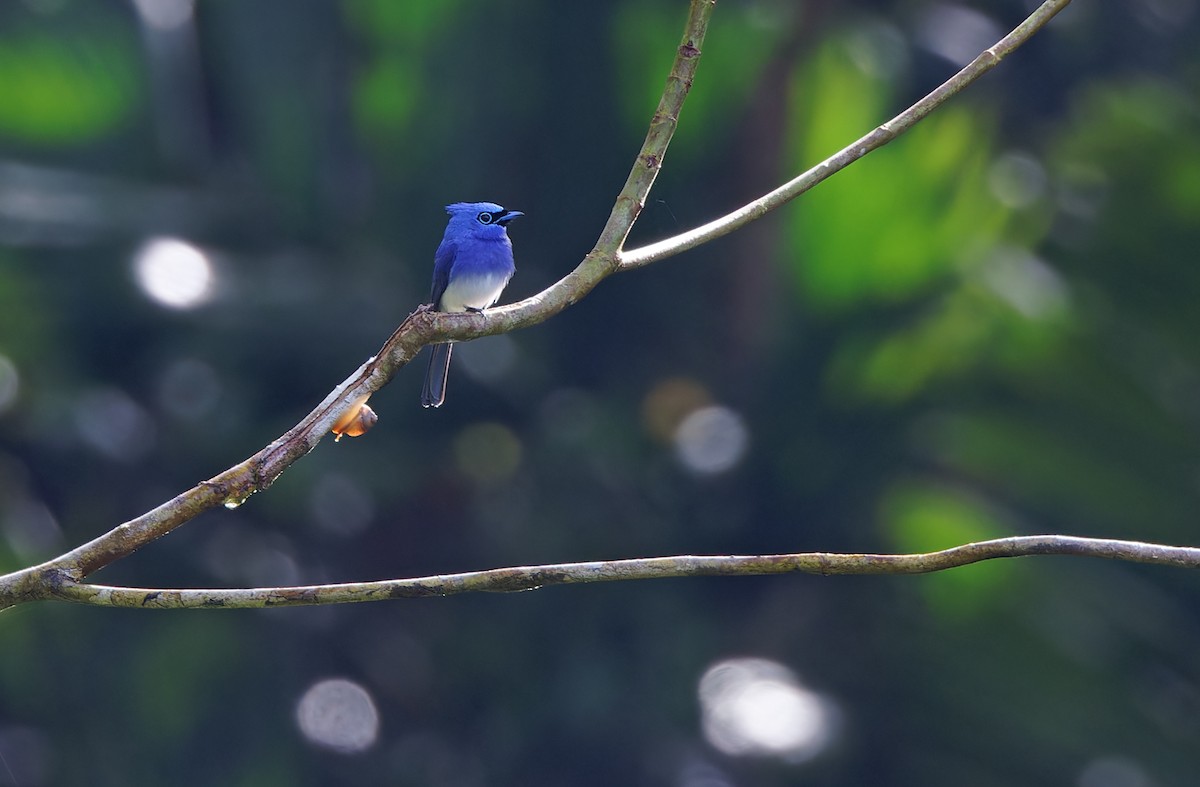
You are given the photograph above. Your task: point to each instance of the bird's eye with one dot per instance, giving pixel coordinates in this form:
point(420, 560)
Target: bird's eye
point(485, 218)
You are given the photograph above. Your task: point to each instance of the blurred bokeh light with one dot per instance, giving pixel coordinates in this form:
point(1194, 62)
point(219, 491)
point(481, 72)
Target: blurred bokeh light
point(759, 707)
point(29, 528)
point(1113, 771)
point(111, 422)
point(711, 440)
point(487, 453)
point(165, 14)
point(189, 388)
point(341, 505)
point(338, 714)
point(174, 273)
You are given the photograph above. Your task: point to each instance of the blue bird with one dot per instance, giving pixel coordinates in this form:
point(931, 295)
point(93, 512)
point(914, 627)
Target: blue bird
point(470, 269)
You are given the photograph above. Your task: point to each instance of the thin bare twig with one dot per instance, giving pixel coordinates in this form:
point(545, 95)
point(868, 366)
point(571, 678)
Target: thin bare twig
point(882, 135)
point(534, 577)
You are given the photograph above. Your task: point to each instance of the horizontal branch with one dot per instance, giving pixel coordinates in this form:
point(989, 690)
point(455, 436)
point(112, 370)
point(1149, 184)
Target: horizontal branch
point(986, 61)
point(534, 577)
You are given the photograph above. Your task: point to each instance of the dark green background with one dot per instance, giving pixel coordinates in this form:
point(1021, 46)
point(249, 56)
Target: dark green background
point(987, 328)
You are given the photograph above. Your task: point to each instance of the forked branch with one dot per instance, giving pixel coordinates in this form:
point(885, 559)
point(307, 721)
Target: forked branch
point(62, 576)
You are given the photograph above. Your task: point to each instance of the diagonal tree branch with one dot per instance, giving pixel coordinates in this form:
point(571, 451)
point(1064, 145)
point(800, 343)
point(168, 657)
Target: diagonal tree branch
point(534, 577)
point(60, 577)
point(255, 474)
point(882, 135)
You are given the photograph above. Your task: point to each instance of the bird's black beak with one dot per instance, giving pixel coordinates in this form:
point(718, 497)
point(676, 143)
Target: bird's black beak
point(508, 216)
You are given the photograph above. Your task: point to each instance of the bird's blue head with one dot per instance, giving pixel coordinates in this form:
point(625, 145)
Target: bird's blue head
point(484, 220)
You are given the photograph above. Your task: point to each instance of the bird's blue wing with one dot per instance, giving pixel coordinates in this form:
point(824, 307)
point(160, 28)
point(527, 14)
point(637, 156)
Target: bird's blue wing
point(443, 261)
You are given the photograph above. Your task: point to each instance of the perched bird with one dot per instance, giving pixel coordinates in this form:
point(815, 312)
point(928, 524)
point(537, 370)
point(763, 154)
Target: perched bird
point(470, 269)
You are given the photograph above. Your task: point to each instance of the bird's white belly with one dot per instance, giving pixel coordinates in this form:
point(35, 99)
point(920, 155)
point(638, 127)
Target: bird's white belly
point(472, 292)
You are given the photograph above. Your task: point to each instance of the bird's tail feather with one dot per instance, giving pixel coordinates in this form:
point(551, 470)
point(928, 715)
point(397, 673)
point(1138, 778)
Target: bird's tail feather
point(434, 392)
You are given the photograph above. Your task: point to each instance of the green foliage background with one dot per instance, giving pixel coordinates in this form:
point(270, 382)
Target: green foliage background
point(987, 328)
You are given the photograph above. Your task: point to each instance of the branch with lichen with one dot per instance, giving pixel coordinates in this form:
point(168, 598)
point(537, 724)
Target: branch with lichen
point(505, 580)
point(61, 577)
